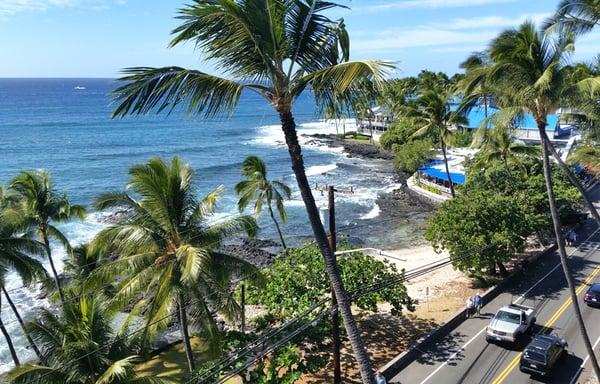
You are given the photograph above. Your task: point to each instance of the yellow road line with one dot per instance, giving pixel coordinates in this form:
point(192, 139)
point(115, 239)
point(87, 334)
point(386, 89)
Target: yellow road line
point(504, 374)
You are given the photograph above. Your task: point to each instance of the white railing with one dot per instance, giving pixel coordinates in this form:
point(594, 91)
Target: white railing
point(438, 187)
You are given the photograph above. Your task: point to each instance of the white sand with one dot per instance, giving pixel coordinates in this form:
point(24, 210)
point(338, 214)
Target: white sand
point(417, 257)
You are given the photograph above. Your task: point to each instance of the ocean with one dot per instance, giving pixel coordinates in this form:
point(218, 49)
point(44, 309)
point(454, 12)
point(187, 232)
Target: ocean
point(65, 126)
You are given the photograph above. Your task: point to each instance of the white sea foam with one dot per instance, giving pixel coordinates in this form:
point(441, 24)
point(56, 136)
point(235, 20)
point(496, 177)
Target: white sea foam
point(373, 213)
point(272, 135)
point(320, 169)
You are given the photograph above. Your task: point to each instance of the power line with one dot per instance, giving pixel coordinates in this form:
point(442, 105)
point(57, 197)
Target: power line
point(358, 292)
point(274, 332)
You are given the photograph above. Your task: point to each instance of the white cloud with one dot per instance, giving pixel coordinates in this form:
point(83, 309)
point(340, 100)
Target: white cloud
point(494, 21)
point(421, 37)
point(411, 4)
point(12, 7)
point(454, 35)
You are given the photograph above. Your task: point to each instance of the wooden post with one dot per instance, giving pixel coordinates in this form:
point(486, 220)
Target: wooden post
point(335, 321)
point(243, 308)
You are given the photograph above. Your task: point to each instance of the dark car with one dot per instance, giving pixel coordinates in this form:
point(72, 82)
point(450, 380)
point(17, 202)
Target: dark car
point(592, 296)
point(542, 354)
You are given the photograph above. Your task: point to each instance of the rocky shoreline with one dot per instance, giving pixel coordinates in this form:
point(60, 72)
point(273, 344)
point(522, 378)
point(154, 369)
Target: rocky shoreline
point(352, 147)
point(399, 205)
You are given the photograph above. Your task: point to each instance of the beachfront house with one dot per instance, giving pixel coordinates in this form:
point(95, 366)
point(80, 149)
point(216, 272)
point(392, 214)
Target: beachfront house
point(374, 121)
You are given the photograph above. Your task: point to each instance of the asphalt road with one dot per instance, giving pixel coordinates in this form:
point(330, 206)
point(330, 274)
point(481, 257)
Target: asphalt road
point(464, 356)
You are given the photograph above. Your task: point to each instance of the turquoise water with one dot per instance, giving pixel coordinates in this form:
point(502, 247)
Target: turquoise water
point(64, 125)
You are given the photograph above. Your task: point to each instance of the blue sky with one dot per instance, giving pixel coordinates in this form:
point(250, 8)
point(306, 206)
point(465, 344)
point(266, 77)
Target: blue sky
point(96, 38)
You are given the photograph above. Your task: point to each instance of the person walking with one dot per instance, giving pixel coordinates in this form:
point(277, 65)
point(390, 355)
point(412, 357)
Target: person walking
point(477, 303)
point(469, 307)
point(379, 378)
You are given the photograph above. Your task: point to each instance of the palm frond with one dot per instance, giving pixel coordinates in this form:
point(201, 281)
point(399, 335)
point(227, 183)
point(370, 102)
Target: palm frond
point(157, 89)
point(340, 86)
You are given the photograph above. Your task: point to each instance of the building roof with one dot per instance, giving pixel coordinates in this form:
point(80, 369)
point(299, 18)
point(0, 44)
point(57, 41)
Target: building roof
point(477, 114)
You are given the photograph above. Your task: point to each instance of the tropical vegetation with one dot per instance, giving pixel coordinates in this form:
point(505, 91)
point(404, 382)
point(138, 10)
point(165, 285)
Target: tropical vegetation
point(169, 256)
point(43, 207)
point(288, 47)
point(256, 187)
point(165, 263)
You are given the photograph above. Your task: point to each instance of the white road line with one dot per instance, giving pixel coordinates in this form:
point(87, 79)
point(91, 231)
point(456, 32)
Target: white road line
point(518, 299)
point(582, 366)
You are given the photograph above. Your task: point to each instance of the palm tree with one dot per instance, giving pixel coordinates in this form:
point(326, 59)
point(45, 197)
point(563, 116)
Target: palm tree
point(499, 144)
point(259, 189)
point(168, 252)
point(475, 85)
point(528, 63)
point(587, 155)
point(579, 16)
point(80, 348)
point(278, 49)
point(9, 342)
point(435, 118)
point(42, 207)
point(15, 251)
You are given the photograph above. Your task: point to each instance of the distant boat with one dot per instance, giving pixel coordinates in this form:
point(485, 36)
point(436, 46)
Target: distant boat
point(79, 87)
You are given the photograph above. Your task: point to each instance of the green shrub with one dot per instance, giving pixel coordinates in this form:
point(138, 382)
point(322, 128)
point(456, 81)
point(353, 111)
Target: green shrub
point(411, 155)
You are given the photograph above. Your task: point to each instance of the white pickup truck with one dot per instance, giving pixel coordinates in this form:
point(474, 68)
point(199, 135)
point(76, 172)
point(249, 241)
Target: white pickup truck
point(510, 323)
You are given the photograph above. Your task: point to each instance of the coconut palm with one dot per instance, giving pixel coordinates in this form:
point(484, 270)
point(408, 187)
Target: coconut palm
point(259, 189)
point(169, 261)
point(43, 206)
point(475, 85)
point(80, 347)
point(278, 49)
point(579, 16)
point(435, 119)
point(498, 143)
point(16, 254)
point(9, 342)
point(529, 64)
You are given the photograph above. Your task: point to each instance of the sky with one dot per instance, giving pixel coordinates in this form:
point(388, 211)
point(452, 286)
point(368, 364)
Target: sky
point(97, 38)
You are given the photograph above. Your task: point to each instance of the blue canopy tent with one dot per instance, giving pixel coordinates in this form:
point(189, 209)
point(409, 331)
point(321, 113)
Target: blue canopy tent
point(427, 169)
point(457, 178)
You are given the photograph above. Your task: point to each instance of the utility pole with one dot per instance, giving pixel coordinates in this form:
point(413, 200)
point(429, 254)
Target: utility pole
point(335, 322)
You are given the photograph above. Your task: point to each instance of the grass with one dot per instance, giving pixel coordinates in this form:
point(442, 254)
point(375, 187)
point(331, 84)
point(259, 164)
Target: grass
point(171, 364)
point(429, 188)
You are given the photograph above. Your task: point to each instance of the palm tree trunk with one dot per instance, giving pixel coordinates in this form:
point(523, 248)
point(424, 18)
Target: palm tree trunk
point(358, 346)
point(183, 326)
point(22, 324)
point(572, 178)
point(277, 226)
point(563, 253)
point(505, 161)
point(54, 273)
point(447, 169)
point(9, 342)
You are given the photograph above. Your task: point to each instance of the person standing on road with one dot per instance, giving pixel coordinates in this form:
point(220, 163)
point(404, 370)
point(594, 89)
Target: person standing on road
point(571, 238)
point(379, 378)
point(469, 307)
point(477, 303)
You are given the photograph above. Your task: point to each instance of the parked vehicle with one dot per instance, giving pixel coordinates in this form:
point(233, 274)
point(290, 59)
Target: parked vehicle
point(510, 323)
point(592, 296)
point(542, 354)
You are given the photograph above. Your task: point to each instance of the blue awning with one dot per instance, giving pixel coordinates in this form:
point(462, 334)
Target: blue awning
point(457, 178)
